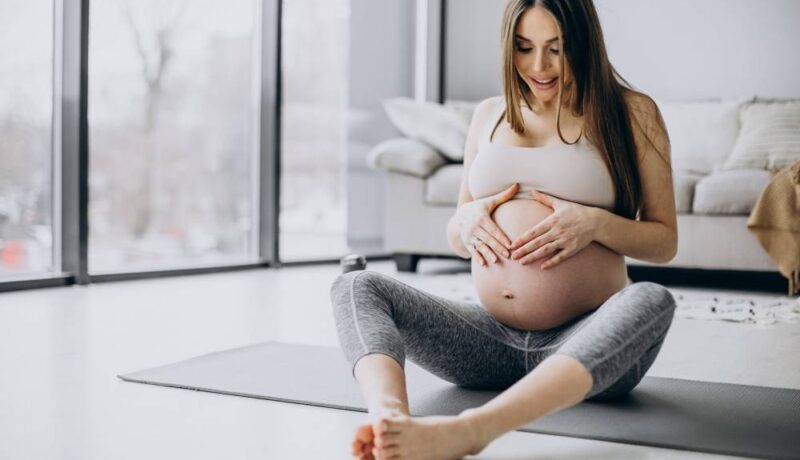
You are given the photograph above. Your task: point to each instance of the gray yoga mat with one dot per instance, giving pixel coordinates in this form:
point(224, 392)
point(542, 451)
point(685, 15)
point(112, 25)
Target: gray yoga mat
point(719, 418)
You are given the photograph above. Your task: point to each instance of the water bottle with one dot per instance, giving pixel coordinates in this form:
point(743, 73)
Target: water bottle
point(352, 262)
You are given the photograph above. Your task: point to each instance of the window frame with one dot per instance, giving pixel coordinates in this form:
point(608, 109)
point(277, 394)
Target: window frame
point(70, 152)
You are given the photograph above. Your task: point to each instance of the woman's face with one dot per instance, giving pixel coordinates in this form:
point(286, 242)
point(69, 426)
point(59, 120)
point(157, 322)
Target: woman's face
point(536, 53)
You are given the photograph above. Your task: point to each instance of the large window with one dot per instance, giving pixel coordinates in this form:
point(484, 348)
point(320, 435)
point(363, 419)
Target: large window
point(173, 126)
point(26, 142)
point(314, 129)
point(139, 138)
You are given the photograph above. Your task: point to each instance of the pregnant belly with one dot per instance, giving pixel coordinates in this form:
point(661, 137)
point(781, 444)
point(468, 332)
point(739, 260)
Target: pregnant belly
point(527, 297)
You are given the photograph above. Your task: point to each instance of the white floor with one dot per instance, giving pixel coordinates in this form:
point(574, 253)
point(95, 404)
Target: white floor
point(61, 349)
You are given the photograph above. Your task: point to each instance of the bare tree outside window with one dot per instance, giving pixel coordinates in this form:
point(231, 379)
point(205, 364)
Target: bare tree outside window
point(26, 154)
point(172, 123)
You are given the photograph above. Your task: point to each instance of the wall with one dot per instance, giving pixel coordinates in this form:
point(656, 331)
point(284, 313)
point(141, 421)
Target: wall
point(679, 49)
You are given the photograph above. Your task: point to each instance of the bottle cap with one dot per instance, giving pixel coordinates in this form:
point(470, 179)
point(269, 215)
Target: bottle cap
point(352, 262)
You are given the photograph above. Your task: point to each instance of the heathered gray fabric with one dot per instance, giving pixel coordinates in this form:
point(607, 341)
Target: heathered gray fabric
point(462, 343)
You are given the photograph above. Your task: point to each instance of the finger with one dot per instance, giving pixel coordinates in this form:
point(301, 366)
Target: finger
point(535, 242)
point(556, 259)
point(529, 235)
point(497, 233)
point(486, 252)
point(543, 198)
point(539, 241)
point(363, 453)
point(476, 254)
point(498, 247)
point(547, 249)
point(505, 195)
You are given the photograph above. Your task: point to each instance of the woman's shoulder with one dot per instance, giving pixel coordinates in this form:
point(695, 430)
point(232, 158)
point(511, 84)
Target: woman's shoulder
point(643, 112)
point(640, 103)
point(479, 124)
point(484, 110)
point(647, 124)
point(488, 105)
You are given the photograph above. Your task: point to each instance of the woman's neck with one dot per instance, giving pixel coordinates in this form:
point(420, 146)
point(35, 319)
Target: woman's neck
point(550, 107)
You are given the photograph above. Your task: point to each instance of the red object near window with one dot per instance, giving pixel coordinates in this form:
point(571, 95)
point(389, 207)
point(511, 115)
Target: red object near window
point(13, 254)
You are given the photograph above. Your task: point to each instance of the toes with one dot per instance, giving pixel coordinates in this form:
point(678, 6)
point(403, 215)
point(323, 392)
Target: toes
point(390, 452)
point(364, 433)
point(380, 454)
point(381, 426)
point(388, 425)
point(363, 442)
point(386, 432)
point(365, 452)
point(384, 441)
point(360, 448)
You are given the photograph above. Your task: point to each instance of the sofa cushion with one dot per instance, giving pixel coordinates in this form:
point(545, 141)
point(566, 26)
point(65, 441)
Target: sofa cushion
point(769, 138)
point(729, 192)
point(683, 183)
point(464, 109)
point(442, 187)
point(701, 133)
point(429, 122)
point(405, 156)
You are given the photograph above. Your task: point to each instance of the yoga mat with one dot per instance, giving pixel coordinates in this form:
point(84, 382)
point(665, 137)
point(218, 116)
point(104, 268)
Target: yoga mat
point(719, 418)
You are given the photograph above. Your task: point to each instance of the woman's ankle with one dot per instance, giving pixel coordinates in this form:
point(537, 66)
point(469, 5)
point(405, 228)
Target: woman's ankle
point(482, 432)
point(390, 407)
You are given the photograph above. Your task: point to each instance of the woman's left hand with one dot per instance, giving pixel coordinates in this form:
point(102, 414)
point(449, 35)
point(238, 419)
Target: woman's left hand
point(570, 228)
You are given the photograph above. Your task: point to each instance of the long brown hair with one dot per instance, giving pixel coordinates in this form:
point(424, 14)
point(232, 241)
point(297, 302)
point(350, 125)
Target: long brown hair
point(599, 91)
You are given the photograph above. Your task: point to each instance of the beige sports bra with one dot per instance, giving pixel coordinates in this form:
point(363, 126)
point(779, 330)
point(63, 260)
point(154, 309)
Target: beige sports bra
point(571, 172)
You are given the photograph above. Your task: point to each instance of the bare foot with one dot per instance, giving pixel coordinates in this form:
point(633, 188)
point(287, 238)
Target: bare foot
point(439, 437)
point(364, 440)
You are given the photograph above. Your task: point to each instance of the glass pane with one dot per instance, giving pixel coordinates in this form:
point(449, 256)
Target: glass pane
point(314, 129)
point(26, 160)
point(173, 113)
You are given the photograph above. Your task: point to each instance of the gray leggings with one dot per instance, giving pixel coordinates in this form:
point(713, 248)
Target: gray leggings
point(462, 343)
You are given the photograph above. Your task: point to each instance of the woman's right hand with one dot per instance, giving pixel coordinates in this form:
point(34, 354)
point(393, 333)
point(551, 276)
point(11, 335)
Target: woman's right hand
point(474, 221)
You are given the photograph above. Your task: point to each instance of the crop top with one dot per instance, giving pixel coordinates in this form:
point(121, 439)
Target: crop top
point(571, 172)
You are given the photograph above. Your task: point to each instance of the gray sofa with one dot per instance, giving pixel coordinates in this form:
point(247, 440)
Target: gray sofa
point(713, 203)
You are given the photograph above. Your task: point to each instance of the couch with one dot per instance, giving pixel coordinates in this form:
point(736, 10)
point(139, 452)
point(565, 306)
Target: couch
point(719, 171)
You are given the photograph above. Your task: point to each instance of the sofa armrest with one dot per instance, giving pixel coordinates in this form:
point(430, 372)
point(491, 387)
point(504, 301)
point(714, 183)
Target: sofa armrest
point(405, 156)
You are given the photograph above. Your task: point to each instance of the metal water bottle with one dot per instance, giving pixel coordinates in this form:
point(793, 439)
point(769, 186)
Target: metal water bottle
point(352, 262)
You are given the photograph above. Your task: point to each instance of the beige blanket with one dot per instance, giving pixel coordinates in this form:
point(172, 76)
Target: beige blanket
point(775, 221)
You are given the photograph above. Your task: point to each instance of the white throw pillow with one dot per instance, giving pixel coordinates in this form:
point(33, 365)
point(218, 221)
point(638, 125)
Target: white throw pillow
point(406, 156)
point(429, 122)
point(702, 133)
point(464, 108)
point(769, 138)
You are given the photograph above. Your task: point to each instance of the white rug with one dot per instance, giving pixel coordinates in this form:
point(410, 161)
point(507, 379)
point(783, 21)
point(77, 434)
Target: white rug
point(701, 304)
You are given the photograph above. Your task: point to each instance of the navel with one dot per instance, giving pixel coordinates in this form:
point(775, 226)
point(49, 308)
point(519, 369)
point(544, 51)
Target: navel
point(507, 294)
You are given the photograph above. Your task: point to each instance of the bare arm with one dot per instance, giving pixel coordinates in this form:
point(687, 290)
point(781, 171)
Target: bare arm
point(470, 151)
point(654, 238)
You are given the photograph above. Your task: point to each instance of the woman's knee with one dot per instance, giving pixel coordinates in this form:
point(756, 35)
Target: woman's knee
point(623, 386)
point(342, 281)
point(653, 297)
point(345, 280)
point(348, 284)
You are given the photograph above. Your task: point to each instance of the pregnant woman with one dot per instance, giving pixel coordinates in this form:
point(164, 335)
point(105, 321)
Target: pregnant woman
point(564, 174)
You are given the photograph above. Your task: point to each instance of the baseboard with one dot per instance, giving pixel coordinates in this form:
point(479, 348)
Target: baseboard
point(744, 280)
point(723, 279)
